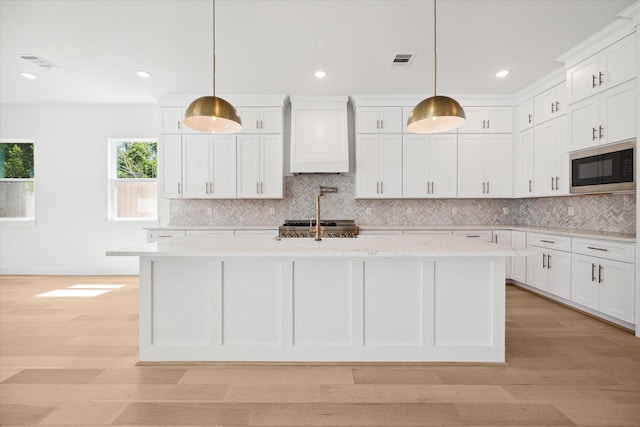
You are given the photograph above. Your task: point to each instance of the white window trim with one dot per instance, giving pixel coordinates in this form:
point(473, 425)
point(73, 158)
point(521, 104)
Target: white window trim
point(112, 179)
point(22, 221)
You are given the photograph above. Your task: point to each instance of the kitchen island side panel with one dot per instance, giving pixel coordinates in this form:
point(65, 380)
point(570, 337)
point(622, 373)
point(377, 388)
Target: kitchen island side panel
point(407, 309)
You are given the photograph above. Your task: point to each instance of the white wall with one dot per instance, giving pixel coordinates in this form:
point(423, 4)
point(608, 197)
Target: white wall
point(71, 231)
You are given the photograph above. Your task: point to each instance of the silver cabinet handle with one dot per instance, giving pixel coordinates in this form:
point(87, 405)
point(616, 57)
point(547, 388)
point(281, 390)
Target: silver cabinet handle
point(530, 186)
point(600, 270)
point(257, 188)
point(600, 78)
point(381, 188)
point(549, 261)
point(495, 238)
point(600, 135)
point(179, 125)
point(261, 190)
point(381, 124)
point(530, 118)
point(488, 187)
point(552, 183)
point(257, 124)
point(377, 124)
point(544, 260)
point(593, 272)
point(553, 108)
point(487, 124)
point(484, 188)
point(206, 188)
point(473, 235)
point(547, 241)
point(179, 188)
point(598, 249)
point(377, 188)
point(557, 106)
point(593, 134)
point(432, 190)
point(557, 186)
point(261, 124)
point(593, 81)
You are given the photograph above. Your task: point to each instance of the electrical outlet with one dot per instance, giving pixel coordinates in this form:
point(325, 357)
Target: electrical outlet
point(209, 211)
point(272, 211)
point(368, 211)
point(409, 211)
point(454, 211)
point(505, 211)
point(571, 211)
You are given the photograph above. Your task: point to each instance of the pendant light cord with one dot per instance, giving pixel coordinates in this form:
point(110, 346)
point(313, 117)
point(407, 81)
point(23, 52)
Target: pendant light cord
point(435, 51)
point(213, 3)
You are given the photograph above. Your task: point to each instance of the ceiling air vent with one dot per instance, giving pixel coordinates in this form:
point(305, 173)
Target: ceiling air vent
point(402, 58)
point(39, 61)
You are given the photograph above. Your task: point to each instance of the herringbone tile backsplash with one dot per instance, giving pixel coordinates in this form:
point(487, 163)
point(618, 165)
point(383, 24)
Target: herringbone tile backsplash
point(611, 212)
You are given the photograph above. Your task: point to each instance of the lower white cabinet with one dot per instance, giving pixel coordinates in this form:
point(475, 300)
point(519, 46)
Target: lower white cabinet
point(550, 269)
point(519, 263)
point(259, 166)
point(378, 166)
point(601, 278)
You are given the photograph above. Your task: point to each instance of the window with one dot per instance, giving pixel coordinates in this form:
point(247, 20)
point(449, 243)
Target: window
point(133, 179)
point(16, 180)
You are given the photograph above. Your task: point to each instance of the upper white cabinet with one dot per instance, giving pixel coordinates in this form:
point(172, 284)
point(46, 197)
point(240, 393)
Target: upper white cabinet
point(488, 120)
point(170, 166)
point(259, 166)
point(261, 119)
point(551, 163)
point(429, 166)
point(550, 104)
point(611, 66)
point(378, 166)
point(209, 166)
point(485, 166)
point(525, 115)
point(525, 172)
point(379, 120)
point(604, 118)
point(170, 120)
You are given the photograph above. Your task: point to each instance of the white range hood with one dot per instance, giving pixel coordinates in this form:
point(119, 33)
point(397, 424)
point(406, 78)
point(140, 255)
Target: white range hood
point(319, 134)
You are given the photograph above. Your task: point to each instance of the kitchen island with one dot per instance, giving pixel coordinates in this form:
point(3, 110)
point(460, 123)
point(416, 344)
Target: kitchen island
point(372, 298)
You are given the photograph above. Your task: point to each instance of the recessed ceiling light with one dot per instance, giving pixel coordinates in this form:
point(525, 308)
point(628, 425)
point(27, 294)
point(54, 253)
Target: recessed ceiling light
point(143, 74)
point(29, 76)
point(502, 73)
point(321, 74)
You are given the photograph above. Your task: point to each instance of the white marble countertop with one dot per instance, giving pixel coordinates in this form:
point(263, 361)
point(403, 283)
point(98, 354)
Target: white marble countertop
point(362, 246)
point(594, 234)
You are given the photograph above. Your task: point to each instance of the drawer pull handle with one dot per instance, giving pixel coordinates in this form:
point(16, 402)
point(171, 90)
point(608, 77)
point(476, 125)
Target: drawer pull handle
point(598, 249)
point(548, 241)
point(473, 235)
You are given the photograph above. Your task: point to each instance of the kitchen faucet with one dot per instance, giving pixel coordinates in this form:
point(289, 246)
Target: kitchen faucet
point(318, 229)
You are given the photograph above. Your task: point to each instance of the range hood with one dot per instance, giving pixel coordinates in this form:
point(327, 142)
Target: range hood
point(319, 134)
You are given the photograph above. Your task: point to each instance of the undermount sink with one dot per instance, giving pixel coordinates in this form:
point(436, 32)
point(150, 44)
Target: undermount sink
point(330, 228)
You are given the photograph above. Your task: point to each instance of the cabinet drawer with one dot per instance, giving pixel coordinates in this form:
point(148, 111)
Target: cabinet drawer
point(617, 251)
point(482, 235)
point(549, 241)
point(156, 235)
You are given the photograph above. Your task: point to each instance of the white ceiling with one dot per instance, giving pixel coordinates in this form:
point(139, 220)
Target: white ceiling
point(274, 46)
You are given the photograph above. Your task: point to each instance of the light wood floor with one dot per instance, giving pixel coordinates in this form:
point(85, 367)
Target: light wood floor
point(73, 361)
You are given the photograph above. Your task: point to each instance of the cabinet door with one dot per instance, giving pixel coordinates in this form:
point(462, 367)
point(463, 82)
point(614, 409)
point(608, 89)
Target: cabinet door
point(367, 166)
point(584, 281)
point(618, 113)
point(250, 117)
point(391, 120)
point(248, 166)
point(196, 166)
point(271, 120)
point(471, 166)
point(525, 115)
point(416, 159)
point(582, 79)
point(616, 289)
point(498, 166)
point(391, 166)
point(476, 120)
point(583, 123)
point(519, 263)
point(499, 119)
point(545, 105)
point(545, 158)
point(170, 120)
point(618, 62)
point(443, 165)
point(223, 174)
point(559, 268)
point(271, 167)
point(537, 269)
point(170, 166)
point(367, 120)
point(525, 176)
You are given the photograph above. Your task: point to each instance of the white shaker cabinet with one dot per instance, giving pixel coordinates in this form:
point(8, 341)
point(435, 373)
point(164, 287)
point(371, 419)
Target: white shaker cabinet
point(525, 172)
point(429, 166)
point(551, 163)
point(487, 120)
point(519, 263)
point(613, 65)
point(209, 168)
point(379, 120)
point(604, 118)
point(550, 269)
point(259, 166)
point(525, 115)
point(485, 166)
point(550, 104)
point(261, 119)
point(378, 166)
point(170, 166)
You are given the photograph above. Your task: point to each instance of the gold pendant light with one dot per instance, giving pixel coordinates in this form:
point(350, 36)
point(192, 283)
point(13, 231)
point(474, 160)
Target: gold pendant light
point(210, 113)
point(438, 113)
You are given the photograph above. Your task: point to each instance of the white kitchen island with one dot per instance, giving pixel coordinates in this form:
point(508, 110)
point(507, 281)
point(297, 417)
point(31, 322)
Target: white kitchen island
point(371, 298)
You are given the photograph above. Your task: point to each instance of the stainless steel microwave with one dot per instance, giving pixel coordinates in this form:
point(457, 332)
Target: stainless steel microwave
point(604, 169)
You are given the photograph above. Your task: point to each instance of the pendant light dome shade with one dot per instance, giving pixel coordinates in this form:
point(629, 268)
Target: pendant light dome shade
point(436, 114)
point(212, 114)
